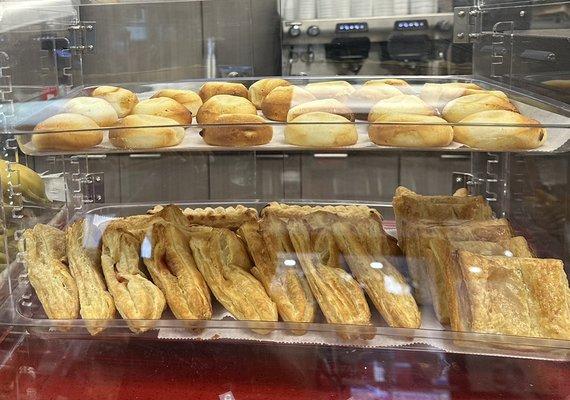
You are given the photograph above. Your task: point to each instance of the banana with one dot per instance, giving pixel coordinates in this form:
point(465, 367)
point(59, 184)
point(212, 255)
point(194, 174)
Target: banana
point(31, 184)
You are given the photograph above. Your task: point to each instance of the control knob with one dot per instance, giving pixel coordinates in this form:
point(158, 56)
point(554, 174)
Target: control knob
point(295, 30)
point(313, 30)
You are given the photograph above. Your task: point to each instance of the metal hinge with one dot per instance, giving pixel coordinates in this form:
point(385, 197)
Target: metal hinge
point(82, 37)
point(93, 188)
point(465, 22)
point(462, 180)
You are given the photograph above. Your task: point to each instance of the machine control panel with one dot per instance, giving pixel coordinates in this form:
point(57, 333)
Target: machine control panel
point(313, 30)
point(411, 25)
point(348, 27)
point(294, 30)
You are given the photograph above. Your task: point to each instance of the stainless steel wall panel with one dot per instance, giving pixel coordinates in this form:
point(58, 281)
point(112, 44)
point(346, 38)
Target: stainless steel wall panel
point(430, 173)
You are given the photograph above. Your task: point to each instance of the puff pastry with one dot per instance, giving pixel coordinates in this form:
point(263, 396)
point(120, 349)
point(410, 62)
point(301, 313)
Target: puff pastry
point(136, 297)
point(294, 211)
point(214, 250)
point(283, 280)
point(339, 296)
point(220, 217)
point(173, 269)
point(45, 254)
point(383, 283)
point(84, 257)
point(514, 296)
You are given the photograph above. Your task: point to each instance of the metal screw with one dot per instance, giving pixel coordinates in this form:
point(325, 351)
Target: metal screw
point(90, 47)
point(460, 35)
point(522, 13)
point(98, 197)
point(97, 179)
point(89, 27)
point(551, 57)
point(461, 14)
point(473, 13)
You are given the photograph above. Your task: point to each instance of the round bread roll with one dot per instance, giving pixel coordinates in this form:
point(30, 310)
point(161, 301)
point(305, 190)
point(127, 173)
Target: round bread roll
point(461, 107)
point(439, 94)
point(140, 131)
point(97, 109)
point(280, 100)
point(187, 98)
point(238, 130)
point(223, 104)
point(406, 103)
point(80, 133)
point(211, 89)
point(328, 130)
point(164, 107)
point(420, 135)
point(122, 100)
point(331, 106)
point(398, 83)
point(340, 90)
point(362, 100)
point(500, 137)
point(260, 89)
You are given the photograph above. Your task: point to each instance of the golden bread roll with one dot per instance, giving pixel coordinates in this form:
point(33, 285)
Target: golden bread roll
point(122, 100)
point(398, 104)
point(223, 104)
point(562, 84)
point(164, 107)
point(398, 83)
point(464, 106)
point(280, 100)
point(326, 90)
point(439, 94)
point(411, 135)
point(260, 89)
point(139, 131)
point(328, 130)
point(362, 100)
point(99, 110)
point(238, 130)
point(331, 106)
point(210, 89)
point(187, 98)
point(77, 132)
point(500, 137)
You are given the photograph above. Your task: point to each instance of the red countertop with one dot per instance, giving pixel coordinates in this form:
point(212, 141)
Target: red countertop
point(138, 368)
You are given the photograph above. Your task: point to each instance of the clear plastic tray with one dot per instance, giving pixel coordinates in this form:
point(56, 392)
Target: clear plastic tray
point(20, 307)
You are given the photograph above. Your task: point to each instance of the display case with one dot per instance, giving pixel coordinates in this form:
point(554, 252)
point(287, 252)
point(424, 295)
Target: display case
point(183, 189)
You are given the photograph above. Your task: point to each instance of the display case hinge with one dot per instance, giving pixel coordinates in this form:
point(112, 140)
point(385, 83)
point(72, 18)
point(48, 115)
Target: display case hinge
point(92, 186)
point(463, 180)
point(465, 23)
point(82, 37)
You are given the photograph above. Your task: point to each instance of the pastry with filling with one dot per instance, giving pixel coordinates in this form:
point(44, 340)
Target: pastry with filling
point(96, 304)
point(219, 217)
point(45, 256)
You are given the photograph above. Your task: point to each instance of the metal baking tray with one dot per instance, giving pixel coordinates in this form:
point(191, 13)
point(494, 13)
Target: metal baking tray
point(20, 308)
point(555, 116)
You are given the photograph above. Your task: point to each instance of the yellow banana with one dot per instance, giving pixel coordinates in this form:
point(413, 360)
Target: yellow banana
point(31, 184)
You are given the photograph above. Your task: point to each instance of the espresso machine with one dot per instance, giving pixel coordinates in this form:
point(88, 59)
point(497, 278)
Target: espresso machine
point(392, 45)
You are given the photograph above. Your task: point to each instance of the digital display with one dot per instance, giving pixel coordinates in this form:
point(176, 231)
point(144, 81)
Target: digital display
point(411, 25)
point(352, 27)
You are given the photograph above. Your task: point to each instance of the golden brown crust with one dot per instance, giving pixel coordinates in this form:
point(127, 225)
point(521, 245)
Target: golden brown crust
point(238, 130)
point(121, 99)
point(45, 254)
point(439, 94)
point(70, 132)
point(187, 98)
point(363, 99)
point(260, 89)
point(339, 90)
point(383, 283)
point(136, 297)
point(431, 131)
point(395, 104)
point(210, 89)
point(84, 258)
point(280, 100)
point(284, 283)
point(293, 211)
point(146, 132)
point(515, 296)
point(330, 106)
point(164, 107)
point(97, 109)
point(321, 129)
point(233, 286)
point(462, 107)
point(223, 104)
point(221, 217)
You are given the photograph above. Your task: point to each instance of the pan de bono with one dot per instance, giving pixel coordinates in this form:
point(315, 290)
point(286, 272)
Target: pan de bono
point(438, 134)
point(187, 98)
point(461, 107)
point(500, 137)
point(77, 132)
point(331, 106)
point(260, 89)
point(405, 103)
point(397, 83)
point(140, 131)
point(321, 129)
point(280, 100)
point(122, 100)
point(210, 89)
point(362, 100)
point(223, 104)
point(99, 110)
point(164, 107)
point(238, 130)
point(339, 90)
point(439, 94)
